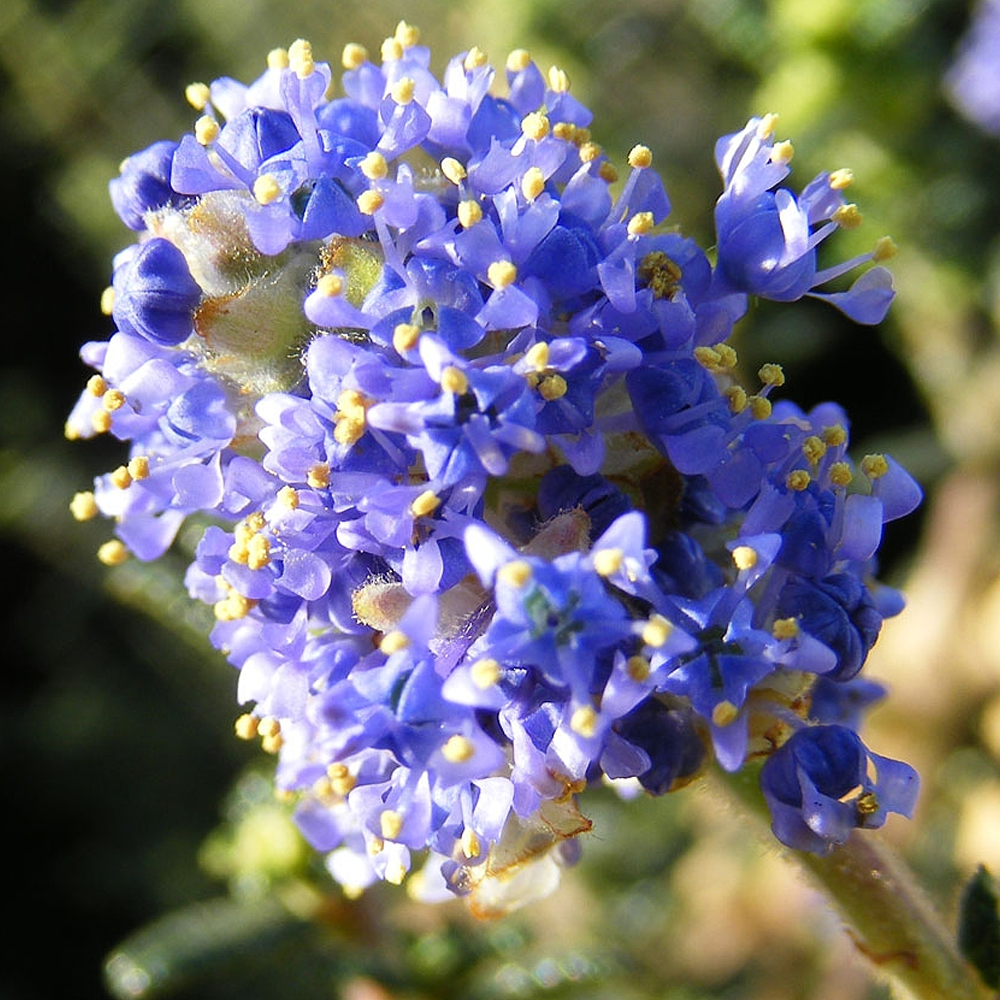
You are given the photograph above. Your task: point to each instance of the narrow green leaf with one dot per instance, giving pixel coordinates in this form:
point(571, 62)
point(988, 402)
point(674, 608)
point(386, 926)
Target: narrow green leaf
point(979, 926)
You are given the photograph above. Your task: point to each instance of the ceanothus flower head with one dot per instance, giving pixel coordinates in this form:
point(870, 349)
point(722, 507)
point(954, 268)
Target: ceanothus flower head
point(488, 513)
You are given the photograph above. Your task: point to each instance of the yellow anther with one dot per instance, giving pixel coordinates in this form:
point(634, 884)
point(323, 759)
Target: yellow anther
point(485, 673)
point(607, 172)
point(370, 202)
point(395, 871)
point(138, 467)
point(841, 179)
point(516, 573)
point(121, 478)
point(471, 847)
point(785, 628)
point(720, 358)
point(638, 668)
point(737, 398)
point(390, 823)
point(724, 713)
point(247, 726)
point(885, 249)
point(458, 749)
point(352, 403)
point(266, 189)
point(318, 477)
point(288, 497)
point(258, 552)
point(96, 386)
point(847, 216)
point(552, 387)
point(206, 130)
point(782, 152)
point(474, 58)
point(813, 448)
point(535, 125)
point(532, 183)
point(392, 50)
point(112, 553)
point(608, 561)
point(558, 80)
point(835, 435)
point(374, 166)
point(874, 466)
point(798, 480)
point(424, 504)
point(277, 59)
point(518, 60)
point(565, 131)
point(640, 157)
point(376, 846)
point(469, 213)
point(394, 641)
point(584, 721)
point(113, 399)
point(454, 380)
point(728, 357)
point(590, 151)
point(407, 34)
point(867, 804)
point(300, 58)
point(402, 90)
point(454, 170)
point(771, 374)
point(656, 631)
point(341, 779)
point(268, 727)
point(501, 273)
point(760, 407)
point(108, 300)
point(83, 506)
point(537, 356)
point(767, 125)
point(354, 56)
point(580, 135)
point(197, 95)
point(841, 474)
point(101, 421)
point(272, 744)
point(640, 224)
point(255, 521)
point(349, 430)
point(330, 285)
point(745, 557)
point(233, 607)
point(405, 337)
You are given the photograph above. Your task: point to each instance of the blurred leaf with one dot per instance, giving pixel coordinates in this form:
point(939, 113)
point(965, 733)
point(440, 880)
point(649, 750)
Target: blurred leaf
point(979, 926)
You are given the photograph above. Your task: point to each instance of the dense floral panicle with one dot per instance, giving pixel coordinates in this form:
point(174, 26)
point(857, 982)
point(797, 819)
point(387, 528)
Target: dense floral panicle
point(494, 512)
point(972, 82)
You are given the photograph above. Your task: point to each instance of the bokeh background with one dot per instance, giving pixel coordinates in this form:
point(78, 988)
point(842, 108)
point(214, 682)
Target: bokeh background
point(135, 824)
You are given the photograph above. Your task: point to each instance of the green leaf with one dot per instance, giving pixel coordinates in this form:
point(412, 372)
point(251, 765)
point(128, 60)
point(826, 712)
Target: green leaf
point(979, 926)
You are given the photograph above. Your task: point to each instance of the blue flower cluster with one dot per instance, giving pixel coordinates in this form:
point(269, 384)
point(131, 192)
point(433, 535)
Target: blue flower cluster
point(491, 514)
point(972, 81)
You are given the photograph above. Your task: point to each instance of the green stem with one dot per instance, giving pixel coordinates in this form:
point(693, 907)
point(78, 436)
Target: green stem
point(888, 915)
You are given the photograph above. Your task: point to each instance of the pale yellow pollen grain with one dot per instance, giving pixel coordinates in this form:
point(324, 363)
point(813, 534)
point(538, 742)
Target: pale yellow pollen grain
point(402, 90)
point(537, 356)
point(369, 202)
point(552, 387)
point(288, 497)
point(607, 172)
point(767, 124)
point(744, 557)
point(266, 189)
point(874, 466)
point(638, 668)
point(501, 273)
point(782, 152)
point(318, 477)
point(83, 506)
point(258, 552)
point(760, 407)
point(608, 561)
point(516, 573)
point(737, 398)
point(108, 301)
point(394, 641)
point(458, 749)
point(885, 249)
point(590, 151)
point(798, 480)
point(535, 125)
point(390, 823)
point(835, 435)
point(247, 726)
point(656, 631)
point(121, 478)
point(206, 130)
point(469, 213)
point(255, 521)
point(330, 286)
point(532, 183)
point(112, 553)
point(471, 847)
point(724, 713)
point(349, 429)
point(113, 399)
point(268, 727)
point(841, 179)
point(485, 673)
point(728, 357)
point(785, 628)
point(272, 744)
point(277, 58)
point(341, 779)
point(138, 467)
point(197, 95)
point(405, 337)
point(395, 871)
point(425, 503)
point(407, 34)
point(847, 216)
point(640, 157)
point(392, 50)
point(354, 56)
point(454, 380)
point(640, 224)
point(300, 58)
point(814, 448)
point(453, 170)
point(558, 79)
point(518, 60)
point(474, 58)
point(583, 721)
point(771, 374)
point(101, 421)
point(841, 474)
point(565, 131)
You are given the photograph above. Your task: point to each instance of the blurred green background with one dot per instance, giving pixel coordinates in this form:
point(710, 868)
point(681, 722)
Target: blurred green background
point(128, 802)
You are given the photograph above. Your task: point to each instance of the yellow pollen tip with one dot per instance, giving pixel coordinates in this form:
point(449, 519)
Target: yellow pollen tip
point(767, 126)
point(760, 407)
point(121, 478)
point(640, 224)
point(583, 721)
point(453, 170)
point(474, 58)
point(724, 713)
point(737, 397)
point(501, 273)
point(608, 561)
point(374, 166)
point(393, 642)
point(113, 399)
point(288, 497)
point(638, 668)
point(558, 80)
point(330, 286)
point(874, 466)
point(744, 557)
point(485, 673)
point(867, 804)
point(426, 503)
point(518, 61)
point(782, 152)
point(607, 172)
point(454, 380)
point(138, 467)
point(471, 847)
point(552, 387)
point(108, 301)
point(96, 386)
point(266, 189)
point(318, 477)
point(532, 183)
point(197, 95)
point(405, 337)
point(101, 421)
point(847, 216)
point(771, 374)
point(834, 435)
point(246, 726)
point(885, 249)
point(535, 125)
point(112, 553)
point(469, 213)
point(83, 506)
point(841, 474)
point(206, 130)
point(640, 157)
point(538, 356)
point(269, 727)
point(841, 179)
point(516, 573)
point(370, 202)
point(407, 34)
point(656, 631)
point(798, 480)
point(785, 628)
point(277, 59)
point(458, 749)
point(258, 552)
point(390, 823)
point(300, 58)
point(392, 50)
point(813, 448)
point(590, 151)
point(402, 90)
point(354, 56)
